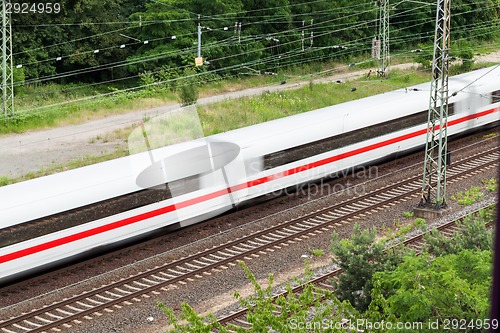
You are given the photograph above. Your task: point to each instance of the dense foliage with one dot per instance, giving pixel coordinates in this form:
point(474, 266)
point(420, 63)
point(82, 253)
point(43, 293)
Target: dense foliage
point(238, 36)
point(288, 313)
point(433, 292)
point(429, 290)
point(473, 236)
point(81, 27)
point(360, 257)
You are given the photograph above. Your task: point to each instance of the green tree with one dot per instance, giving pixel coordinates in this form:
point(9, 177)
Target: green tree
point(423, 289)
point(469, 14)
point(472, 235)
point(81, 27)
point(188, 89)
point(271, 34)
point(180, 19)
point(360, 257)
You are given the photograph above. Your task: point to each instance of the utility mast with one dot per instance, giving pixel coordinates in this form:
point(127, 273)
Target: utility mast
point(383, 37)
point(7, 74)
point(434, 178)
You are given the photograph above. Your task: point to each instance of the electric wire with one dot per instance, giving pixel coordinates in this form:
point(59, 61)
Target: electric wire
point(131, 43)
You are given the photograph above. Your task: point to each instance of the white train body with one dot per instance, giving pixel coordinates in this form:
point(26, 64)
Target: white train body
point(261, 160)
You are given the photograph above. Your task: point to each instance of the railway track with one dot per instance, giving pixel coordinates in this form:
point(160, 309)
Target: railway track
point(416, 243)
point(131, 289)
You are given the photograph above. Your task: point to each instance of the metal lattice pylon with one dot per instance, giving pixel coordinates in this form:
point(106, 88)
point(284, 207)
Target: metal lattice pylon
point(434, 179)
point(383, 35)
point(7, 74)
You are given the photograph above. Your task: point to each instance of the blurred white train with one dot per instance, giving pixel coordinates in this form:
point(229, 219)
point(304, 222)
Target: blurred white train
point(201, 178)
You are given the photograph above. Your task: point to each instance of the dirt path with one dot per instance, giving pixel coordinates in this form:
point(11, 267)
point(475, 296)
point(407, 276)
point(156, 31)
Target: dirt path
point(39, 150)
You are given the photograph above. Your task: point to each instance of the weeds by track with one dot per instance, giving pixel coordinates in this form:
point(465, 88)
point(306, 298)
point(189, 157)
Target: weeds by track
point(416, 243)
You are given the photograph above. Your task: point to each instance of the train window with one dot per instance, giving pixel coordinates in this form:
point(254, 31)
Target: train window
point(495, 96)
point(98, 210)
point(451, 109)
point(322, 146)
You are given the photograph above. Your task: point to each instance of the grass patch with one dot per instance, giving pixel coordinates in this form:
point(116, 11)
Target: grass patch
point(232, 114)
point(51, 105)
point(490, 136)
point(400, 230)
point(468, 197)
point(408, 215)
point(61, 113)
point(490, 185)
point(317, 252)
point(4, 180)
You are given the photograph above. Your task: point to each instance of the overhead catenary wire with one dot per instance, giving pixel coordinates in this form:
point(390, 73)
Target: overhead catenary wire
point(124, 63)
point(270, 59)
point(336, 10)
point(474, 81)
point(145, 23)
point(317, 27)
point(61, 57)
point(215, 59)
point(151, 58)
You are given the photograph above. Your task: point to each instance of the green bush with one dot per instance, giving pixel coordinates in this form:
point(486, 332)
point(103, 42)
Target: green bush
point(490, 184)
point(408, 215)
point(468, 197)
point(188, 90)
